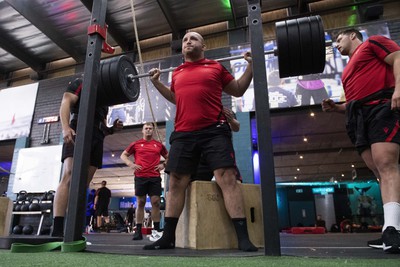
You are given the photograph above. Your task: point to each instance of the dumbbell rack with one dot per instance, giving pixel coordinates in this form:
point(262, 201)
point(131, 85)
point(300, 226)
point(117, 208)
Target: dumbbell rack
point(42, 213)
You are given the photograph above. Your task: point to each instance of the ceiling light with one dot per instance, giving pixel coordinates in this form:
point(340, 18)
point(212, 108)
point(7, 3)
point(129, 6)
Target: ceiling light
point(312, 114)
point(112, 154)
point(352, 165)
point(301, 157)
point(342, 174)
point(298, 169)
point(305, 139)
point(295, 177)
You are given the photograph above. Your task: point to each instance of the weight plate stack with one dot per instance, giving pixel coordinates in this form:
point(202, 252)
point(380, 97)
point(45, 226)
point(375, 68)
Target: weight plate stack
point(301, 46)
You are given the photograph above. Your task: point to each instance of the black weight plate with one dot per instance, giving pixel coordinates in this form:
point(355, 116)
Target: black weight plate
point(131, 88)
point(113, 89)
point(318, 41)
point(306, 46)
point(100, 86)
point(103, 96)
point(127, 91)
point(118, 95)
point(294, 47)
point(283, 49)
point(101, 93)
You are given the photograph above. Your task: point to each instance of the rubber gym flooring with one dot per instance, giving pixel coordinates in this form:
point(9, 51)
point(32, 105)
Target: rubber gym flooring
point(331, 245)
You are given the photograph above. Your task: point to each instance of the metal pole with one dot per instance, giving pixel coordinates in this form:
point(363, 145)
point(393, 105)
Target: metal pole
point(78, 187)
point(263, 122)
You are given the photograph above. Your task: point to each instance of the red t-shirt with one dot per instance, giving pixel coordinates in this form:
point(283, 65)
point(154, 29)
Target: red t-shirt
point(198, 90)
point(147, 154)
point(366, 72)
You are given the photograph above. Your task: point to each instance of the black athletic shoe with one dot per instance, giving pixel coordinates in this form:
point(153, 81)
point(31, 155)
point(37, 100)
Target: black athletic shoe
point(57, 234)
point(137, 236)
point(391, 240)
point(160, 244)
point(376, 243)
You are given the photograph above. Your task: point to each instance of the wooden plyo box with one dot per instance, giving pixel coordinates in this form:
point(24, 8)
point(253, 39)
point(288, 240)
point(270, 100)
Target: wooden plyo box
point(6, 207)
point(205, 223)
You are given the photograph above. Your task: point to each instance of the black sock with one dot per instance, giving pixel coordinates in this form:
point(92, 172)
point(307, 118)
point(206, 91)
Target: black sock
point(139, 228)
point(58, 226)
point(167, 241)
point(157, 226)
point(243, 235)
point(138, 233)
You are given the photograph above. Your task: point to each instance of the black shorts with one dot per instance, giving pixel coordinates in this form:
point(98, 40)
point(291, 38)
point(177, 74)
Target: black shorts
point(379, 124)
point(204, 173)
point(96, 151)
point(214, 143)
point(102, 211)
point(147, 186)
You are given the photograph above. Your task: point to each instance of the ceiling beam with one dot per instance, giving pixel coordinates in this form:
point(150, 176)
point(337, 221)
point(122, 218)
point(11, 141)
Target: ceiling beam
point(40, 20)
point(302, 6)
point(117, 35)
point(176, 33)
point(234, 15)
point(15, 47)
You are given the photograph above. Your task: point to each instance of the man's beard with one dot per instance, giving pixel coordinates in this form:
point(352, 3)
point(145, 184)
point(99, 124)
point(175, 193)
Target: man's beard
point(193, 53)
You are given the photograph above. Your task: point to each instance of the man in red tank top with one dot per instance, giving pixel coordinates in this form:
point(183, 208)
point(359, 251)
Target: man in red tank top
point(371, 82)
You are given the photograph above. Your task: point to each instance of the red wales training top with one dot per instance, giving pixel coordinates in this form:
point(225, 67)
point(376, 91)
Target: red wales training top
point(147, 154)
point(366, 72)
point(198, 90)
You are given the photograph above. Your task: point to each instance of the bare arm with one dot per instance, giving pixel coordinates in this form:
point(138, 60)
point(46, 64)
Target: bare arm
point(238, 87)
point(231, 119)
point(96, 198)
point(125, 158)
point(117, 126)
point(67, 102)
point(164, 90)
point(161, 166)
point(328, 105)
point(393, 59)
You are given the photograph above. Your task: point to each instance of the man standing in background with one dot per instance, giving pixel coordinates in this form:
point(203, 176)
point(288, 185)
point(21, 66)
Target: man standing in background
point(146, 166)
point(101, 203)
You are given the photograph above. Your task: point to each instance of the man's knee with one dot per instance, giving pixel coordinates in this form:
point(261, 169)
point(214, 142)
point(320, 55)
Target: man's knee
point(155, 204)
point(226, 177)
point(141, 203)
point(178, 181)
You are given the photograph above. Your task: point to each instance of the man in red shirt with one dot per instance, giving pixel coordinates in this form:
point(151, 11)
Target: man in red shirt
point(371, 82)
point(146, 167)
point(201, 129)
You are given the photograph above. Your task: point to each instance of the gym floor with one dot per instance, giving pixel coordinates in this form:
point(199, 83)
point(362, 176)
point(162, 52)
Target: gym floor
point(331, 245)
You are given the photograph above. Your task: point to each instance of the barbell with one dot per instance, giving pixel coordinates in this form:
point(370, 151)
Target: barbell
point(300, 50)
